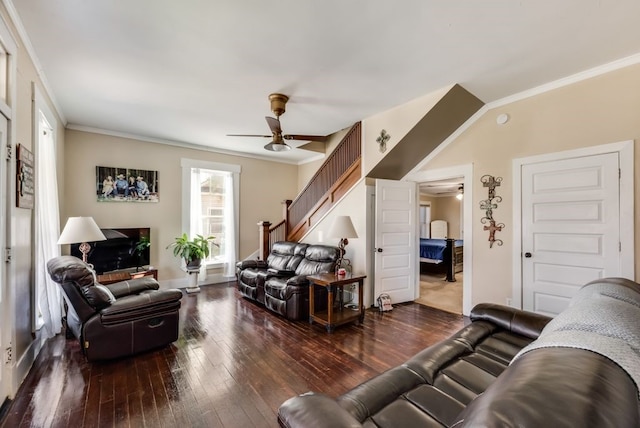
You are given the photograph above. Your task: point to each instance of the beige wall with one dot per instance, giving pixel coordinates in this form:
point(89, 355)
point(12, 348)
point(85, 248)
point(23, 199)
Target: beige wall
point(353, 205)
point(447, 208)
point(601, 110)
point(263, 185)
point(397, 122)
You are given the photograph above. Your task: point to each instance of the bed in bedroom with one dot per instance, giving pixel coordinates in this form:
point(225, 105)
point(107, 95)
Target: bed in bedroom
point(441, 255)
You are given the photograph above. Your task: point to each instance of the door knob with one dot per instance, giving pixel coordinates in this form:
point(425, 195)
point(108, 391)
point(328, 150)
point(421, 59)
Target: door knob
point(379, 250)
point(527, 255)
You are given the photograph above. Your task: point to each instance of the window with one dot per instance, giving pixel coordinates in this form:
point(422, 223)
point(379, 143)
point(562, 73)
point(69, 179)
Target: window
point(210, 208)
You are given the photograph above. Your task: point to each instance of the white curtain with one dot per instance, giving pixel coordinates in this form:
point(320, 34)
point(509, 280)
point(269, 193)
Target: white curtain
point(48, 310)
point(195, 213)
point(229, 226)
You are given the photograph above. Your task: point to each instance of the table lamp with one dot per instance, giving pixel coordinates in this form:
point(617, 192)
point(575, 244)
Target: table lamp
point(342, 228)
point(81, 230)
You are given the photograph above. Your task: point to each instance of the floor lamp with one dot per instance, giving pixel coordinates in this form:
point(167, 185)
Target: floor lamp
point(81, 230)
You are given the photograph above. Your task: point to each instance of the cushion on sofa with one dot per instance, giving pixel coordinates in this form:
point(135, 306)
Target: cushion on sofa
point(98, 295)
point(559, 387)
point(286, 255)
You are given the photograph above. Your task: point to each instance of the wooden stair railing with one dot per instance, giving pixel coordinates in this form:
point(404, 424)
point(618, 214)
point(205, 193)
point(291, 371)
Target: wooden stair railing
point(334, 178)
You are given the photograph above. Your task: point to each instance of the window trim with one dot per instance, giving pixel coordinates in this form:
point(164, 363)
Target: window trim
point(186, 165)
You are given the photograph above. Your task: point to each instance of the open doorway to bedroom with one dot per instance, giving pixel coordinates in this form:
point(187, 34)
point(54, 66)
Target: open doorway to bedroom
point(441, 216)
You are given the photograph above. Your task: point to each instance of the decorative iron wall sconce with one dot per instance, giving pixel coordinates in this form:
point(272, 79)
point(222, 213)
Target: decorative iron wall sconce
point(382, 140)
point(488, 205)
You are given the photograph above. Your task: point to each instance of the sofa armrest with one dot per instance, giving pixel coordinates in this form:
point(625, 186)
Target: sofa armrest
point(246, 264)
point(528, 324)
point(312, 410)
point(283, 273)
point(298, 280)
point(133, 286)
point(144, 303)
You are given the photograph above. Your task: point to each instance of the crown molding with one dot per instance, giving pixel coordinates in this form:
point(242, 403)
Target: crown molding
point(529, 93)
point(173, 143)
point(566, 81)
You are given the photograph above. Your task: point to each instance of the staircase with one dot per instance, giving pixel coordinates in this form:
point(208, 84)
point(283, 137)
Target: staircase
point(334, 178)
point(343, 169)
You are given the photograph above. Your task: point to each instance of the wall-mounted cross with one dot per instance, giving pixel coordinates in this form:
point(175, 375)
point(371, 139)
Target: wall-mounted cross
point(382, 140)
point(488, 205)
point(491, 182)
point(493, 228)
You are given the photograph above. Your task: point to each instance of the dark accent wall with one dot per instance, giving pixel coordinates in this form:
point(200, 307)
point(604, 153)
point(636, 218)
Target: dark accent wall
point(455, 107)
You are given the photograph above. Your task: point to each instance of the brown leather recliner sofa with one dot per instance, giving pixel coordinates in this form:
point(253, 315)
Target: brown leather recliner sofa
point(118, 319)
point(280, 282)
point(507, 368)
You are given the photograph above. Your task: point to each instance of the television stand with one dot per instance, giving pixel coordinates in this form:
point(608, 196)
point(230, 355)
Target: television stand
point(125, 275)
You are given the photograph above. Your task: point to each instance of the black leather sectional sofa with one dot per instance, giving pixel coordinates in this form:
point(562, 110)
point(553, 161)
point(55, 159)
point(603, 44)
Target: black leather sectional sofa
point(507, 368)
point(280, 282)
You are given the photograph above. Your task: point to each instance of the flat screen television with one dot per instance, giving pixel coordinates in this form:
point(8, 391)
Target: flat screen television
point(118, 252)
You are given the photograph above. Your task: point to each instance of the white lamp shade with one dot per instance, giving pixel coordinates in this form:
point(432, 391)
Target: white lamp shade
point(80, 229)
point(342, 227)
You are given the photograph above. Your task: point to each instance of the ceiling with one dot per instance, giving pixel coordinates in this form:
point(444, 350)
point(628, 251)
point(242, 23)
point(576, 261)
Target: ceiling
point(440, 188)
point(193, 72)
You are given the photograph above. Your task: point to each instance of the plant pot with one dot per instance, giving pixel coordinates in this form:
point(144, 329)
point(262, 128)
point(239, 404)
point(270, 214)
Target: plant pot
point(194, 264)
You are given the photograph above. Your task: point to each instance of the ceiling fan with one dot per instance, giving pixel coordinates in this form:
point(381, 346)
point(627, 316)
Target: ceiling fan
point(278, 103)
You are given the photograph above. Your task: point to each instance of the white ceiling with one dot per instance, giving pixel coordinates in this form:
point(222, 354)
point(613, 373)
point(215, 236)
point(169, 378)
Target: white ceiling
point(439, 188)
point(193, 71)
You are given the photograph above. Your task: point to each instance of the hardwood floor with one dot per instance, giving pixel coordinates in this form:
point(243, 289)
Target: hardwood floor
point(232, 366)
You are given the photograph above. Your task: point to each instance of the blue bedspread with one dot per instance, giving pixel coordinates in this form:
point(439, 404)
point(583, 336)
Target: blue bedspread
point(434, 248)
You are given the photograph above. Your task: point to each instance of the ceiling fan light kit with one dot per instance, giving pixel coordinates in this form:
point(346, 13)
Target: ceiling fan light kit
point(275, 146)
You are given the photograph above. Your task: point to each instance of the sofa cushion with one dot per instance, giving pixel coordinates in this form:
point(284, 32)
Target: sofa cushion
point(98, 295)
point(250, 276)
point(318, 259)
point(286, 255)
point(559, 387)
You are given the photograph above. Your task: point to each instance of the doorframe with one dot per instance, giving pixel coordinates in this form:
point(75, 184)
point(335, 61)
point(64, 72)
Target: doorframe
point(625, 151)
point(8, 381)
point(466, 172)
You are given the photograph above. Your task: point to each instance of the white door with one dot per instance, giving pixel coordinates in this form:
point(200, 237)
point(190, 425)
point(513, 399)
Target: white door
point(570, 228)
point(396, 238)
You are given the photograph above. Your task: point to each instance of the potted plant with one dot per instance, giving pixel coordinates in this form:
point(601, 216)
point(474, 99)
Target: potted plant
point(141, 245)
point(192, 250)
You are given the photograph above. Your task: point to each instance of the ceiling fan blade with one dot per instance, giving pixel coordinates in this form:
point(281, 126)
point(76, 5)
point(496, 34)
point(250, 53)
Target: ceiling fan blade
point(274, 125)
point(249, 135)
point(305, 137)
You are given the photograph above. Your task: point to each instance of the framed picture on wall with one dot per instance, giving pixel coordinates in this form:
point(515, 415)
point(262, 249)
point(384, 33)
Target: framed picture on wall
point(25, 188)
point(126, 185)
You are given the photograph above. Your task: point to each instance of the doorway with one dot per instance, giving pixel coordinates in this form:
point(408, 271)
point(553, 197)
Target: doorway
point(441, 218)
point(445, 187)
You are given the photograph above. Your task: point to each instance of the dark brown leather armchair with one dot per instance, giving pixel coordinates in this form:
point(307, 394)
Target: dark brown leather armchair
point(119, 319)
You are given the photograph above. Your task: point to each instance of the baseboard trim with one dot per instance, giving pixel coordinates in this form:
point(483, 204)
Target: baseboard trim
point(24, 364)
point(215, 278)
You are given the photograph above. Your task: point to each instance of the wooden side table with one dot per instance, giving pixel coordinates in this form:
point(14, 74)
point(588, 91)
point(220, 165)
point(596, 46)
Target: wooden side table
point(334, 284)
point(117, 276)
